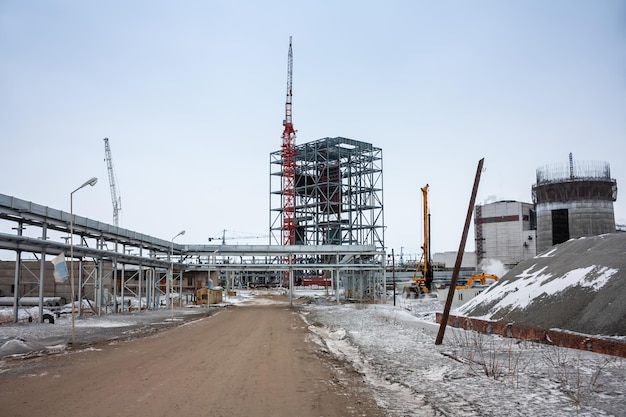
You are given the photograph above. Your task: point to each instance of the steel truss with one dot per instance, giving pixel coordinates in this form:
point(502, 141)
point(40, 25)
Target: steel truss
point(339, 198)
point(102, 249)
point(338, 193)
point(115, 265)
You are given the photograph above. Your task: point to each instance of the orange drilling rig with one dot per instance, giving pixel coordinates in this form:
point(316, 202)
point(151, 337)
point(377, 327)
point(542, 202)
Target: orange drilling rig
point(422, 285)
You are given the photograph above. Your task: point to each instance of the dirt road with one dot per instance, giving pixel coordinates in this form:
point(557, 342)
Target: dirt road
point(244, 361)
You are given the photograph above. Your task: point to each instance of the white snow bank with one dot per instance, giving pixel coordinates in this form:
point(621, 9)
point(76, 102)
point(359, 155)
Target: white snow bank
point(23, 314)
point(101, 322)
point(549, 254)
point(410, 375)
point(14, 347)
point(531, 285)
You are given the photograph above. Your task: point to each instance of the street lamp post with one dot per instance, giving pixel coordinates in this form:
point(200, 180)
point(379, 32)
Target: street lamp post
point(91, 182)
point(182, 232)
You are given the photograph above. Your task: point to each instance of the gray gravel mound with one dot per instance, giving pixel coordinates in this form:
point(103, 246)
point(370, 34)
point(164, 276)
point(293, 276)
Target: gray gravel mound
point(594, 304)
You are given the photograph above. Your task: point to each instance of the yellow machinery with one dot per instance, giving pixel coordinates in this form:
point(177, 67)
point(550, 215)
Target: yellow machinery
point(422, 284)
point(206, 295)
point(478, 277)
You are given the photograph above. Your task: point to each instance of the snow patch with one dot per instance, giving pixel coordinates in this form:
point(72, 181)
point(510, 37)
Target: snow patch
point(410, 375)
point(549, 254)
point(14, 347)
point(531, 285)
point(100, 322)
point(388, 394)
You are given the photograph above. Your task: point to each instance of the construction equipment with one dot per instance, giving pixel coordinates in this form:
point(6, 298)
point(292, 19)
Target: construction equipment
point(224, 238)
point(289, 162)
point(421, 285)
point(115, 197)
point(482, 277)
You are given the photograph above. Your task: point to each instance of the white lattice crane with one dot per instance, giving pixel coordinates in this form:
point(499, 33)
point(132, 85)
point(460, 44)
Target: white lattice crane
point(242, 236)
point(115, 197)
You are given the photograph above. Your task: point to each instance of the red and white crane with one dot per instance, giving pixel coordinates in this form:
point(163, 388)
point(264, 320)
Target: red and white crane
point(288, 150)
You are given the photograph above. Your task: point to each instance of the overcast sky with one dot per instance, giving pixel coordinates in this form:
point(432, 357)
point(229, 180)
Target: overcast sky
point(191, 96)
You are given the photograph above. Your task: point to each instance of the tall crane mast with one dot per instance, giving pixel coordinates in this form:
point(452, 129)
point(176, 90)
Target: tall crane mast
point(115, 198)
point(289, 162)
point(428, 271)
point(422, 285)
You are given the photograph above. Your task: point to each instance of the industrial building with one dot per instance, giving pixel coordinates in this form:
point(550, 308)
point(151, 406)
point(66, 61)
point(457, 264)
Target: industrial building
point(505, 231)
point(573, 200)
point(337, 200)
point(113, 266)
point(338, 193)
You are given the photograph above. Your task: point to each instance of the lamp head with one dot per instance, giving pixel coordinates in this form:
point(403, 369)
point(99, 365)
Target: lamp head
point(91, 182)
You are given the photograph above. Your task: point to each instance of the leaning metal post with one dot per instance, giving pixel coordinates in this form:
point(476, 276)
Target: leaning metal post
point(459, 256)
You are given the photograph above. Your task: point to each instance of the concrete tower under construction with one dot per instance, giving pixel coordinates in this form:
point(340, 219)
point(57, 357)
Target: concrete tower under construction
point(573, 200)
point(338, 194)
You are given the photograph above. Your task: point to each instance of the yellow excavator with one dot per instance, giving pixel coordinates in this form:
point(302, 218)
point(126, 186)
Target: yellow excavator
point(478, 277)
point(421, 285)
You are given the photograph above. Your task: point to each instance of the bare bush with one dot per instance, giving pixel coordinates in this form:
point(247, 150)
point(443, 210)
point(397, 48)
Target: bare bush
point(487, 355)
point(577, 376)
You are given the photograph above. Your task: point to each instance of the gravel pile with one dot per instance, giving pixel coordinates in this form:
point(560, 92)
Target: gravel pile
point(579, 285)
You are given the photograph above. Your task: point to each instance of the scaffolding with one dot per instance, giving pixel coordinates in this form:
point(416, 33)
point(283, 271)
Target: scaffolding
point(573, 201)
point(575, 170)
point(338, 192)
point(578, 180)
point(338, 201)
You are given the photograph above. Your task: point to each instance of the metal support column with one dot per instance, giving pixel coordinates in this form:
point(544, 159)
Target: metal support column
point(168, 282)
point(384, 267)
point(140, 279)
point(122, 290)
point(99, 289)
point(336, 272)
point(42, 271)
point(180, 295)
point(114, 266)
point(80, 287)
point(290, 287)
point(150, 289)
point(16, 281)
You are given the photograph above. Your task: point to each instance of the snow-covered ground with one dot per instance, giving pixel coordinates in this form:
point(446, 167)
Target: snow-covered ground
point(393, 347)
point(470, 374)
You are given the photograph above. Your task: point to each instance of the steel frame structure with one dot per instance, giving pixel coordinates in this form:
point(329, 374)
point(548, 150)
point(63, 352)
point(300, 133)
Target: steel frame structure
point(95, 237)
point(338, 201)
point(140, 262)
point(338, 192)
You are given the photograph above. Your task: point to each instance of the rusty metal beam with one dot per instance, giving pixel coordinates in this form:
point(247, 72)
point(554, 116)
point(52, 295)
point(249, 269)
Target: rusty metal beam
point(459, 255)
